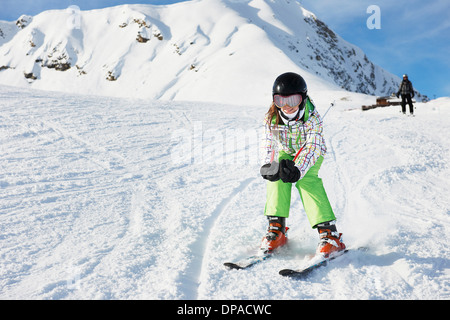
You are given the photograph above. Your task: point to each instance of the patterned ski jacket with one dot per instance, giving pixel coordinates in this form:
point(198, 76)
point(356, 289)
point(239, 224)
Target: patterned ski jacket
point(405, 88)
point(303, 137)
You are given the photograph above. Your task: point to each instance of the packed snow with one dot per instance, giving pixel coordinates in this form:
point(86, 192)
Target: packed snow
point(114, 198)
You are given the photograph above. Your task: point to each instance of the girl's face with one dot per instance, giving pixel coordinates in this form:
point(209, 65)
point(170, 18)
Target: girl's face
point(289, 110)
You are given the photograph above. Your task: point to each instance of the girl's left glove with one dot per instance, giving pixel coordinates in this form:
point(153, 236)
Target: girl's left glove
point(270, 171)
point(288, 171)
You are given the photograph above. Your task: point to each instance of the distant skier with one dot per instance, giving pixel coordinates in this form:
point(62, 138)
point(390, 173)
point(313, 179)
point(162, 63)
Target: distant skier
point(294, 149)
point(407, 92)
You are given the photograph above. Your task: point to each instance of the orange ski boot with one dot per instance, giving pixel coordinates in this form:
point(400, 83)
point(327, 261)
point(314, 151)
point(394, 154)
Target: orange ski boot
point(330, 240)
point(276, 236)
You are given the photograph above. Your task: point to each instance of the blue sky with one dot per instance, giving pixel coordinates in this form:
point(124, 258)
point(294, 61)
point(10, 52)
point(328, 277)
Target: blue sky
point(413, 38)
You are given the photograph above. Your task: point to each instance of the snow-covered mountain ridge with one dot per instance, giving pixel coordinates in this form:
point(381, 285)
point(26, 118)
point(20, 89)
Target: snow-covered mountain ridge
point(217, 50)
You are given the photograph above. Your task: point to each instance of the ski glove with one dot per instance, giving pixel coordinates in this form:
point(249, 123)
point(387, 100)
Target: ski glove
point(270, 171)
point(288, 171)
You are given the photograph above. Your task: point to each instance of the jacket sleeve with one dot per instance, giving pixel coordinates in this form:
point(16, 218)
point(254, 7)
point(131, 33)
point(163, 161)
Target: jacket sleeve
point(411, 89)
point(314, 145)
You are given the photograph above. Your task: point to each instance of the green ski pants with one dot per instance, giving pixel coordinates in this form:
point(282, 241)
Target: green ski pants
point(312, 193)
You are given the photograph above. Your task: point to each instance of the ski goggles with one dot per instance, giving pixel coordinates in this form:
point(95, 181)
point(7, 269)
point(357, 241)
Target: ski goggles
point(292, 101)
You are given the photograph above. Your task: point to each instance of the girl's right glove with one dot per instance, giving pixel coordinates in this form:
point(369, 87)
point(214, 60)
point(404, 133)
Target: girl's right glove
point(288, 171)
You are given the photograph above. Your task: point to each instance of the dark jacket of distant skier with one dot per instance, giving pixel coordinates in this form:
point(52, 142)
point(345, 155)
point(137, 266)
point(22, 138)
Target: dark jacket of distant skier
point(406, 90)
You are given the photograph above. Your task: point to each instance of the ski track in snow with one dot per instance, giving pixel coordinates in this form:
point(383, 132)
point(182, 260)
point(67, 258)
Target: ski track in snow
point(194, 272)
point(101, 200)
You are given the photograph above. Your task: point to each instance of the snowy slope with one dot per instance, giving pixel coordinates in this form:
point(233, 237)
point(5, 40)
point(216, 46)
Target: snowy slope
point(9, 29)
point(192, 51)
point(114, 198)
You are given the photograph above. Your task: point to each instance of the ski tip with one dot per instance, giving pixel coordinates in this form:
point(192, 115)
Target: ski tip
point(286, 272)
point(297, 274)
point(232, 265)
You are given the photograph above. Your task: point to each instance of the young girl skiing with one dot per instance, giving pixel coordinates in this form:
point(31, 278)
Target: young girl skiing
point(293, 153)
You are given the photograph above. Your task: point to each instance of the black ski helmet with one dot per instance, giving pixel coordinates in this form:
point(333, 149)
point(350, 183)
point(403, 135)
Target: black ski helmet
point(289, 83)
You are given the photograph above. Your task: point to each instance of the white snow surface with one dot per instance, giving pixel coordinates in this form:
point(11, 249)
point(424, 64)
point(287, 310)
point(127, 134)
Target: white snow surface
point(116, 198)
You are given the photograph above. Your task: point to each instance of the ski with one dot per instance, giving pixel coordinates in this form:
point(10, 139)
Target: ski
point(304, 272)
point(248, 261)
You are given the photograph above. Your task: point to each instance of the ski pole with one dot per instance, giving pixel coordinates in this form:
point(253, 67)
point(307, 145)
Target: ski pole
point(298, 152)
point(331, 105)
